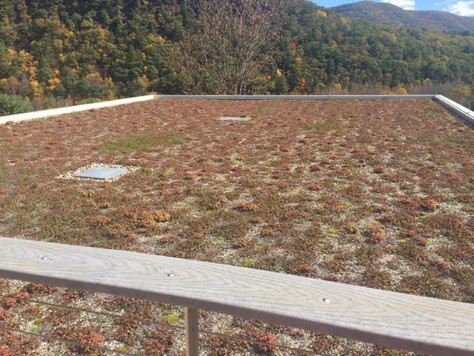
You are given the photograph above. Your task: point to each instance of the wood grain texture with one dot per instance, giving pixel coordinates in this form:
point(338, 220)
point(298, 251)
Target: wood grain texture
point(385, 318)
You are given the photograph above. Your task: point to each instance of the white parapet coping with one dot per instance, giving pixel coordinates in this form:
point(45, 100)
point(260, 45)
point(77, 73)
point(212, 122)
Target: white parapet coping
point(71, 109)
point(457, 109)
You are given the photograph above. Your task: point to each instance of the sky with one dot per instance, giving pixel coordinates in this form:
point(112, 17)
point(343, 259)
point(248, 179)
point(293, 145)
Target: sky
point(458, 7)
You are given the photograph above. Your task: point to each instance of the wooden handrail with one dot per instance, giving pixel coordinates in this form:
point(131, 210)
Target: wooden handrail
point(385, 318)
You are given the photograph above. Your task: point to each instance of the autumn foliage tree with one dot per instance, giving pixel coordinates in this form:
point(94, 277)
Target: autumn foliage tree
point(104, 49)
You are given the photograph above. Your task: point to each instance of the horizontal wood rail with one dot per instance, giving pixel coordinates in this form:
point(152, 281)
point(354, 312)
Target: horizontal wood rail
point(385, 318)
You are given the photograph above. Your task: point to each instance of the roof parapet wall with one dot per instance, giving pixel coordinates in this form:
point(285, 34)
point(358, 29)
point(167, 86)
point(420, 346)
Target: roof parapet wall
point(297, 97)
point(455, 108)
point(71, 109)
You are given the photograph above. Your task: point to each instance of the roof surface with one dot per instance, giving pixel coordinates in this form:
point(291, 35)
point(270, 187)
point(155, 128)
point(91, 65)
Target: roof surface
point(375, 193)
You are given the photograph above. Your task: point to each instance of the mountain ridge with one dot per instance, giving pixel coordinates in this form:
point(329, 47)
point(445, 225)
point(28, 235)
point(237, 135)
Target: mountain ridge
point(388, 14)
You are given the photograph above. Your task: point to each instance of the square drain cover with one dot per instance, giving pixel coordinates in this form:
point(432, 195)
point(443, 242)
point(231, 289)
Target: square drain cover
point(234, 118)
point(103, 173)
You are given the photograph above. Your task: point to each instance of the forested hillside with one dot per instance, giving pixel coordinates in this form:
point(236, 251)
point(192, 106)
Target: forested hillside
point(102, 49)
point(388, 14)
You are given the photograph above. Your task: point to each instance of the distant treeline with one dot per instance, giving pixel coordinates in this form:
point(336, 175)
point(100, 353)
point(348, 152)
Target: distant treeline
point(101, 49)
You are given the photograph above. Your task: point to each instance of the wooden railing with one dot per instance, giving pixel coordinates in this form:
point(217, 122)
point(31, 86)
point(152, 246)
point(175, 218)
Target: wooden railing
point(385, 318)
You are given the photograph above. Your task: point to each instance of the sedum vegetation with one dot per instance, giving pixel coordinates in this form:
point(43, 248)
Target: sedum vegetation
point(51, 51)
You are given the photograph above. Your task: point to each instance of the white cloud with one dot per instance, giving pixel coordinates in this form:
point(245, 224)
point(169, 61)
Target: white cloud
point(463, 8)
point(404, 4)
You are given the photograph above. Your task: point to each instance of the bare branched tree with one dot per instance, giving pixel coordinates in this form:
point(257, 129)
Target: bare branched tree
point(226, 50)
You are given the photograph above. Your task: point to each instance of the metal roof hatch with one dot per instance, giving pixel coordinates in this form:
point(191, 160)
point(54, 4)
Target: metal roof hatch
point(102, 173)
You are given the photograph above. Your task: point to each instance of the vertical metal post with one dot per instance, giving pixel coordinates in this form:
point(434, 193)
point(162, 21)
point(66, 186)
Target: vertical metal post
point(191, 320)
